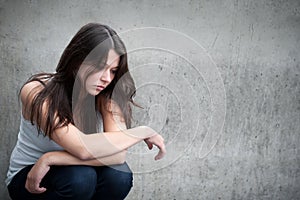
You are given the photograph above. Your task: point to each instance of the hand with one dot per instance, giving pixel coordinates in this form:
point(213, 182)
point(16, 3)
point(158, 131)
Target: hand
point(158, 141)
point(35, 176)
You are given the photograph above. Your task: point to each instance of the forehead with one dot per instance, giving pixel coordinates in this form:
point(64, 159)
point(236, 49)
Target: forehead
point(113, 58)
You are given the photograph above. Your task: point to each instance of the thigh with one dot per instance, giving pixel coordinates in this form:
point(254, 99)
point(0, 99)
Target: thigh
point(16, 187)
point(73, 182)
point(61, 182)
point(113, 182)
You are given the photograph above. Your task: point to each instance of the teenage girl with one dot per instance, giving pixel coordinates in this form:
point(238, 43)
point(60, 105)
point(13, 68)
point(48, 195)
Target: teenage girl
point(76, 124)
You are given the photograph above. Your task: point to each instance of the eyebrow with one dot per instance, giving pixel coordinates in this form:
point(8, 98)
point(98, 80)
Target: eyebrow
point(118, 66)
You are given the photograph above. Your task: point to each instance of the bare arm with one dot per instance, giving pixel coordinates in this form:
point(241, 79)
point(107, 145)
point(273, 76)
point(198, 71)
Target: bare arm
point(95, 149)
point(42, 166)
point(91, 146)
point(112, 123)
point(65, 158)
point(87, 147)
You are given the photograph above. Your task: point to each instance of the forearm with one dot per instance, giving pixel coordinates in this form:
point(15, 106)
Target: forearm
point(90, 146)
point(43, 164)
point(65, 158)
point(109, 143)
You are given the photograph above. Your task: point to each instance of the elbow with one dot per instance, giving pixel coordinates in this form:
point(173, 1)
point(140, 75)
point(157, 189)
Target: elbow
point(121, 158)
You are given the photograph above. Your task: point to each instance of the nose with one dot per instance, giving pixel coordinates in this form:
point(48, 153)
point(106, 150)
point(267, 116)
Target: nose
point(106, 76)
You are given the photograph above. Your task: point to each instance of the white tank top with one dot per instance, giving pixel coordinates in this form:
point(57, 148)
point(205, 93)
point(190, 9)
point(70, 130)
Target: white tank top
point(31, 146)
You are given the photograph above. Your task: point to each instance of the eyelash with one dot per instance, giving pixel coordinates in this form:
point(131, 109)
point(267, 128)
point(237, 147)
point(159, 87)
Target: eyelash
point(114, 71)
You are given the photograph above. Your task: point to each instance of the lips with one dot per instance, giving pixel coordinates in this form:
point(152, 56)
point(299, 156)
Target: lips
point(100, 87)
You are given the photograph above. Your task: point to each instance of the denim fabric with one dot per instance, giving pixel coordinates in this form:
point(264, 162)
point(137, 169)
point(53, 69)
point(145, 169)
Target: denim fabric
point(77, 182)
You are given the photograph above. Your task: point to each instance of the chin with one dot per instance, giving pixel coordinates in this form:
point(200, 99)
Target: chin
point(94, 93)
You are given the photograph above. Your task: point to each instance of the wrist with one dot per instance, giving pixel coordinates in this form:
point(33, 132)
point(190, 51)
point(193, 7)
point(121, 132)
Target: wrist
point(46, 159)
point(148, 132)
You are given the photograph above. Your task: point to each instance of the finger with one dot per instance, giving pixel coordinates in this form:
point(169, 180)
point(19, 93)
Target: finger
point(34, 187)
point(158, 156)
point(150, 145)
point(39, 190)
point(27, 187)
point(161, 153)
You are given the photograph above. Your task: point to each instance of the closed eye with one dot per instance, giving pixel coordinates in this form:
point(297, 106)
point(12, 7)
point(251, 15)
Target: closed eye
point(114, 71)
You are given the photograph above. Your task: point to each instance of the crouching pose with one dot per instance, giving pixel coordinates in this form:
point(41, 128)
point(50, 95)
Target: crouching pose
point(76, 124)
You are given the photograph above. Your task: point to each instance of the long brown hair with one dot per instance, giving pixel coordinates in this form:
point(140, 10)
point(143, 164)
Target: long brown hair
point(63, 93)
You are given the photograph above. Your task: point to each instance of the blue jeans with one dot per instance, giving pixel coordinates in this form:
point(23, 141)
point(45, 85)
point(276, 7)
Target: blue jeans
point(77, 182)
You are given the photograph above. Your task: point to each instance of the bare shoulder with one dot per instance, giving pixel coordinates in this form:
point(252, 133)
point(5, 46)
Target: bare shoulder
point(29, 90)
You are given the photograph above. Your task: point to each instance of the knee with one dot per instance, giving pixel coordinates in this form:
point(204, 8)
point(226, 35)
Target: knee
point(79, 182)
point(119, 179)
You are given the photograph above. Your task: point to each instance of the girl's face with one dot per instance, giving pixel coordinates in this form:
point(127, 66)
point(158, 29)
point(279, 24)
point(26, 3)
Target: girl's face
point(99, 80)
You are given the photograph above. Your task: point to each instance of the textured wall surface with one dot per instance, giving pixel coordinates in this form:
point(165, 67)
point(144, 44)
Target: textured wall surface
point(254, 48)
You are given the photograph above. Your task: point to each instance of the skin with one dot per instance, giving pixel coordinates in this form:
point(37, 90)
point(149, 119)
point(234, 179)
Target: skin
point(106, 74)
point(107, 148)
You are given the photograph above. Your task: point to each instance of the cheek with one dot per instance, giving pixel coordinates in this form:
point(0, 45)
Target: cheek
point(94, 77)
point(112, 77)
point(90, 80)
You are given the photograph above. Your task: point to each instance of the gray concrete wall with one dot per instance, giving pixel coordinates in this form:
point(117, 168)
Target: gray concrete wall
point(255, 47)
